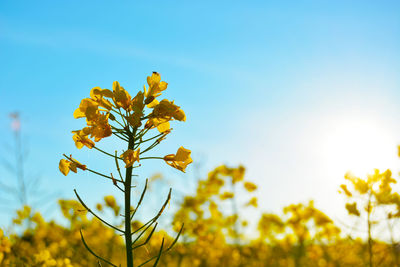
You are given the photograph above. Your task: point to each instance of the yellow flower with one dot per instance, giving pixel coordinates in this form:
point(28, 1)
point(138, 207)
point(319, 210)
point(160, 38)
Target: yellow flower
point(81, 139)
point(100, 127)
point(130, 157)
point(137, 104)
point(237, 174)
point(5, 245)
point(226, 195)
point(99, 207)
point(98, 94)
point(156, 86)
point(352, 209)
point(121, 97)
point(180, 160)
point(161, 124)
point(345, 190)
point(253, 202)
point(88, 108)
point(112, 203)
point(250, 186)
point(164, 112)
point(66, 165)
point(168, 110)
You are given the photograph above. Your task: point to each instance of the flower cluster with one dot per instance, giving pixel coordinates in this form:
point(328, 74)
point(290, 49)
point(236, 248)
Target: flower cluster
point(104, 106)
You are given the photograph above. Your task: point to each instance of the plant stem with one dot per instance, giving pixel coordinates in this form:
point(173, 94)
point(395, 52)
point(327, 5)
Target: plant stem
point(128, 181)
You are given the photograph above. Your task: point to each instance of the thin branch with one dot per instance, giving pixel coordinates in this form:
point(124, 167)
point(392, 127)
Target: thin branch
point(105, 176)
point(169, 248)
point(151, 146)
point(95, 215)
point(120, 137)
point(151, 158)
point(165, 204)
point(159, 253)
point(108, 154)
point(151, 221)
point(94, 254)
point(151, 138)
point(118, 169)
point(87, 169)
point(140, 235)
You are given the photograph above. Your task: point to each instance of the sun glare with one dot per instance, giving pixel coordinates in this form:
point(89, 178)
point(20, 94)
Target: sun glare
point(359, 146)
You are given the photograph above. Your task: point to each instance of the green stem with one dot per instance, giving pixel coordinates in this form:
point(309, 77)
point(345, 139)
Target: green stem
point(128, 181)
point(151, 158)
point(108, 154)
point(103, 175)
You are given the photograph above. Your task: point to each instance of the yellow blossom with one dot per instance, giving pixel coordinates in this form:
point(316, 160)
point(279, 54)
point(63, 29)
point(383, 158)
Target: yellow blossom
point(81, 139)
point(345, 190)
point(100, 128)
point(66, 165)
point(137, 103)
point(156, 86)
point(161, 124)
point(88, 108)
point(226, 195)
point(112, 203)
point(253, 202)
point(250, 186)
point(130, 157)
point(99, 207)
point(162, 113)
point(180, 160)
point(121, 97)
point(352, 209)
point(167, 109)
point(98, 94)
point(5, 245)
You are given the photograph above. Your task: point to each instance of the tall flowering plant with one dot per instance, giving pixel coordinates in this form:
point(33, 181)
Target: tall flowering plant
point(131, 120)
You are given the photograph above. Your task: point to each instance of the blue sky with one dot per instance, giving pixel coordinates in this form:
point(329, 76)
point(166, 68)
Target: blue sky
point(297, 91)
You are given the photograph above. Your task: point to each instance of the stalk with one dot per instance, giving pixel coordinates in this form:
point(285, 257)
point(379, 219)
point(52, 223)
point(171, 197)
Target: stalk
point(128, 230)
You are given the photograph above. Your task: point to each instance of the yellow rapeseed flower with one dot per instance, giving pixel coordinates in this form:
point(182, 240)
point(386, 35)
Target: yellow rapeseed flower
point(100, 128)
point(66, 165)
point(352, 209)
point(345, 190)
point(137, 103)
point(98, 94)
point(250, 186)
point(156, 86)
point(168, 110)
point(5, 245)
point(88, 108)
point(110, 201)
point(180, 160)
point(130, 157)
point(226, 195)
point(121, 97)
point(163, 112)
point(253, 202)
point(81, 139)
